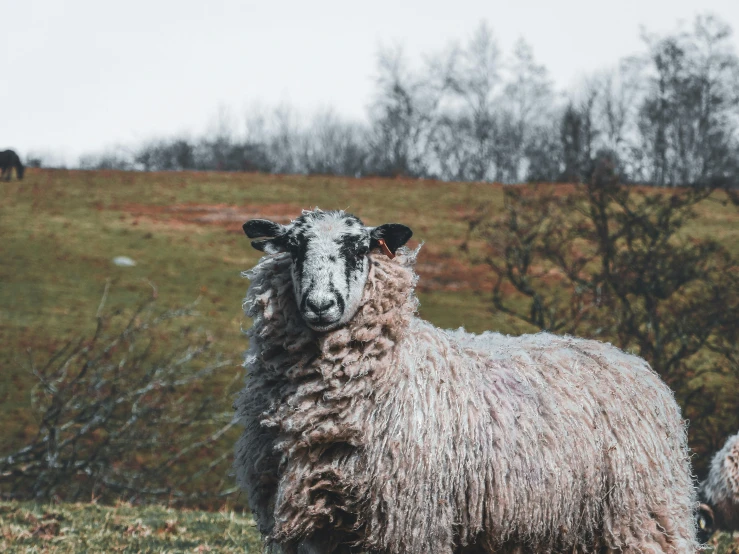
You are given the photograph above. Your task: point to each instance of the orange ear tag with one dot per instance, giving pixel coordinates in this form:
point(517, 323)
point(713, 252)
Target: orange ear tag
point(385, 249)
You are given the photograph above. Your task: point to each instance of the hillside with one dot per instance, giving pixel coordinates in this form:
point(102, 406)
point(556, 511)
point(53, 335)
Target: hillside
point(62, 528)
point(62, 229)
point(67, 528)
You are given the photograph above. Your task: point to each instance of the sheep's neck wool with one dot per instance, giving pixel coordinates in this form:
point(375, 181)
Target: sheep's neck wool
point(396, 436)
point(313, 389)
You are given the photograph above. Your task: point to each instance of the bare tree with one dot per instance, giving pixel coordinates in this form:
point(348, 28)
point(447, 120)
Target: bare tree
point(579, 134)
point(528, 102)
point(610, 263)
point(330, 145)
point(113, 158)
point(130, 412)
point(404, 115)
point(619, 93)
point(688, 119)
point(476, 83)
point(669, 116)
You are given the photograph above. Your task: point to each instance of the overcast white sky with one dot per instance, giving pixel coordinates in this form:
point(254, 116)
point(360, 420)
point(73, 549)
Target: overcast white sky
point(79, 76)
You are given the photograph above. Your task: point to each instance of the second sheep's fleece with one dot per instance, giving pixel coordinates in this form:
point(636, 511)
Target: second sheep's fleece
point(386, 434)
point(721, 488)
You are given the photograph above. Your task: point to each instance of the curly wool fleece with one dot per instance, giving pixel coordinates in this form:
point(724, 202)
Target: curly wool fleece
point(721, 488)
point(392, 436)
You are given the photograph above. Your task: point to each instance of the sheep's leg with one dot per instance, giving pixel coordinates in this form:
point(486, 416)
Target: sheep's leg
point(322, 543)
point(312, 547)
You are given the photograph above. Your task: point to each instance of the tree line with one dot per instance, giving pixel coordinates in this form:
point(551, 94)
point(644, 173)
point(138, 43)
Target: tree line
point(668, 116)
point(621, 264)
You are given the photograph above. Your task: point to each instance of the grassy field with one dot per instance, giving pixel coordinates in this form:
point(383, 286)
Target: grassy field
point(61, 229)
point(67, 528)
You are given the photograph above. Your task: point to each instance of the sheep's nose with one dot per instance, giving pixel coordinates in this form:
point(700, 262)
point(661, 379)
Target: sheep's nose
point(321, 305)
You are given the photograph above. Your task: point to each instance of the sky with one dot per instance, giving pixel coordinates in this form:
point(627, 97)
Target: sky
point(83, 76)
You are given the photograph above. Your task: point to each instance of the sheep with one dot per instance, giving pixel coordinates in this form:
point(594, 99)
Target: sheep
point(704, 518)
point(721, 487)
point(367, 429)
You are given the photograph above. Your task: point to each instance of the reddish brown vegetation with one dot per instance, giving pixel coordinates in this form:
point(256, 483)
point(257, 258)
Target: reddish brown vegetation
point(222, 215)
point(439, 271)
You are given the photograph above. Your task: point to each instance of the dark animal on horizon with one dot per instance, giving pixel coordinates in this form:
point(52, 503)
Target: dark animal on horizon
point(9, 160)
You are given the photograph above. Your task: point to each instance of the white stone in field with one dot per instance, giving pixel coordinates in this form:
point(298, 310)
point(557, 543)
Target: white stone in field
point(124, 261)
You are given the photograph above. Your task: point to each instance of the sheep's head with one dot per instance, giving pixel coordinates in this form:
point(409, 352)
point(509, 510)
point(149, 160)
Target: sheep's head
point(329, 259)
point(705, 519)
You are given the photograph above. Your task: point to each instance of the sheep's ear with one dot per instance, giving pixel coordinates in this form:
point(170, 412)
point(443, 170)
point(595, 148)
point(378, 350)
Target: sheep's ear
point(256, 228)
point(269, 233)
point(394, 235)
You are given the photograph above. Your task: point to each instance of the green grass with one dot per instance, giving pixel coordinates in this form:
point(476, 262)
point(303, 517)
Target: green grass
point(67, 528)
point(60, 230)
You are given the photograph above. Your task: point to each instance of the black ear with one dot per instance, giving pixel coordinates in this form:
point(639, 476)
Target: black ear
point(270, 235)
point(395, 235)
point(258, 228)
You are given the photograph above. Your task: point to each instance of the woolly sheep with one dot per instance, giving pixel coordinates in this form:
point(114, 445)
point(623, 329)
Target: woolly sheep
point(721, 488)
point(368, 429)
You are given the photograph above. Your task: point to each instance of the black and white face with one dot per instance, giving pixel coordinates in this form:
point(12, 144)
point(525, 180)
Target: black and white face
point(329, 260)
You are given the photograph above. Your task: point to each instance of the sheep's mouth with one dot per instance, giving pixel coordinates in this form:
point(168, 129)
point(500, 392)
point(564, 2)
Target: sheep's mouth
point(319, 323)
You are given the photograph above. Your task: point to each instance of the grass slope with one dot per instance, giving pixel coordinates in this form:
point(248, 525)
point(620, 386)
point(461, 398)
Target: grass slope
point(67, 528)
point(61, 229)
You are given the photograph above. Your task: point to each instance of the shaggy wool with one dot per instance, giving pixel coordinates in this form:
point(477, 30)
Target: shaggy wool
point(389, 435)
point(721, 488)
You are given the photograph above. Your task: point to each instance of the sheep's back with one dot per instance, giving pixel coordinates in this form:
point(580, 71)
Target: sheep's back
point(722, 486)
point(538, 439)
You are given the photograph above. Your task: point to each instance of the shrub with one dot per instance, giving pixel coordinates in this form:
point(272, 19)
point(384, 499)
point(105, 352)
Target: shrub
point(137, 410)
point(610, 262)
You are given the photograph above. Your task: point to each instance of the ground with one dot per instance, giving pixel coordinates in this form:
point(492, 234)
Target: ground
point(66, 528)
point(60, 230)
